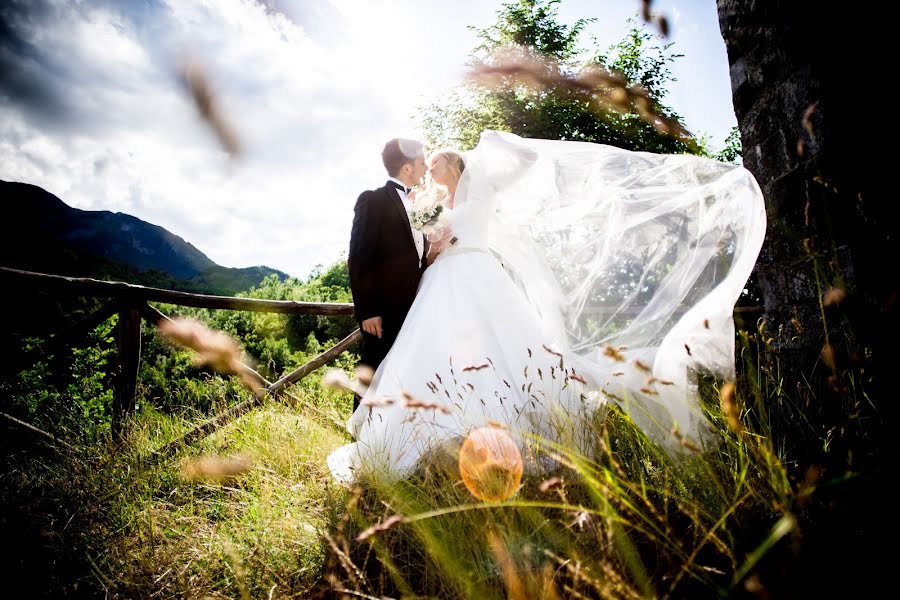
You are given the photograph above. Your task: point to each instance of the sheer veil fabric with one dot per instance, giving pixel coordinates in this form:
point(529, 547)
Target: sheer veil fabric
point(627, 255)
point(615, 271)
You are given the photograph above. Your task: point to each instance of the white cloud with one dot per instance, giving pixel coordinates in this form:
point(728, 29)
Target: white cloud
point(313, 89)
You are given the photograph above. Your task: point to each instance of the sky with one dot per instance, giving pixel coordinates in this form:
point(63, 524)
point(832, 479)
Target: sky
point(93, 110)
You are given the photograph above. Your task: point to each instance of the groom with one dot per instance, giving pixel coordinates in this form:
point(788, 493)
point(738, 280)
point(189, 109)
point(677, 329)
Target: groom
point(386, 255)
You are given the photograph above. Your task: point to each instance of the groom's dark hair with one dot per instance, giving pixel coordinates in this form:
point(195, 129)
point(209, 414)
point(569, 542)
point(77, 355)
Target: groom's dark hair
point(397, 152)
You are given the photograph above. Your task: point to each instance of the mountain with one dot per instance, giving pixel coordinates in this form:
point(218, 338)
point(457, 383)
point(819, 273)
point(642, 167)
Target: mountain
point(42, 233)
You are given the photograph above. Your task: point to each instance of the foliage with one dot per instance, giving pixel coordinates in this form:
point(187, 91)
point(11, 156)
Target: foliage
point(70, 389)
point(752, 514)
point(273, 342)
point(107, 522)
point(732, 152)
point(534, 24)
point(120, 524)
point(559, 113)
point(625, 521)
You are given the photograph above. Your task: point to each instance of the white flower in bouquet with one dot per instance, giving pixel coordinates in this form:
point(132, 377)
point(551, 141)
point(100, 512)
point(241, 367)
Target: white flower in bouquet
point(425, 215)
point(427, 208)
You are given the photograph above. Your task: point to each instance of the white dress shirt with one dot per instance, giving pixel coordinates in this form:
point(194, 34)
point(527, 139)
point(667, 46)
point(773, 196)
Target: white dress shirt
point(418, 236)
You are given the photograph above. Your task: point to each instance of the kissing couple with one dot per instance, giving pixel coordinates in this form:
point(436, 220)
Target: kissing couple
point(560, 276)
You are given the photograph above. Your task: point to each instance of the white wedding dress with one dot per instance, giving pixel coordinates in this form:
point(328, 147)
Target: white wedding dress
point(582, 274)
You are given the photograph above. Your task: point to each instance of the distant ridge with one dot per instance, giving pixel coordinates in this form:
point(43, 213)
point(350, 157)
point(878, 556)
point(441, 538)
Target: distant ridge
point(40, 232)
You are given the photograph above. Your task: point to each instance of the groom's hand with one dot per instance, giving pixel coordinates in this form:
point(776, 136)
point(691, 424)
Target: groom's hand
point(372, 326)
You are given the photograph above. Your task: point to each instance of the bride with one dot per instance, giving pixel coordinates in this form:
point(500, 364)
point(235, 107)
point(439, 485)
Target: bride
point(577, 274)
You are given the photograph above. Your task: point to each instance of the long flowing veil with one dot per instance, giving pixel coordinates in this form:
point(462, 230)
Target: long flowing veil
point(635, 259)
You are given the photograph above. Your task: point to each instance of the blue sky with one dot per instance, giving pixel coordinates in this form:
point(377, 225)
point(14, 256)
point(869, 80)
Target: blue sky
point(92, 110)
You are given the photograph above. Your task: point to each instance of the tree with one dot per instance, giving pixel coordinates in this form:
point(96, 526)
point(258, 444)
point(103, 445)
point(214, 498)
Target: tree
point(558, 111)
point(732, 152)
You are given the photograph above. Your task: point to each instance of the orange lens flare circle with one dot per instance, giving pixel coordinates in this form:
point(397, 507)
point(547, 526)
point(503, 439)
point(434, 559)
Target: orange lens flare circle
point(490, 464)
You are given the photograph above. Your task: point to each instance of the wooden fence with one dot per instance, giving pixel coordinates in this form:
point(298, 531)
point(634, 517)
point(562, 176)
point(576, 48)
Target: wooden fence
point(131, 303)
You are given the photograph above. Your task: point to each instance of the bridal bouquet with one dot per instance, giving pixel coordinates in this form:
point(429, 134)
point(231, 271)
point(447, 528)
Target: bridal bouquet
point(428, 214)
point(425, 215)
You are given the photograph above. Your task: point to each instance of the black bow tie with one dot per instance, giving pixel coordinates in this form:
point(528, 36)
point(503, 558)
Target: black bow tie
point(400, 186)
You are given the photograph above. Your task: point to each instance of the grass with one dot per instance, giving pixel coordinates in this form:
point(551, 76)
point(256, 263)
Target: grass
point(132, 528)
point(773, 510)
point(597, 528)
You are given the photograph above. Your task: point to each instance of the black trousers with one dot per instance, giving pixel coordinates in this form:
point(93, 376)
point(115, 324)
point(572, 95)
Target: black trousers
point(374, 349)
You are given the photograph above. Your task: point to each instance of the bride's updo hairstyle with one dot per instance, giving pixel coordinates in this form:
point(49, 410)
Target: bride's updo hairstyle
point(455, 163)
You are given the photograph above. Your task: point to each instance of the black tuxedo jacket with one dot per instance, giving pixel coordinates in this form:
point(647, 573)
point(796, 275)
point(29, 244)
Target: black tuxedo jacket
point(383, 262)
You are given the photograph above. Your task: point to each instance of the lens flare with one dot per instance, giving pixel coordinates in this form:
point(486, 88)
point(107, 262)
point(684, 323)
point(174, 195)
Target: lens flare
point(490, 464)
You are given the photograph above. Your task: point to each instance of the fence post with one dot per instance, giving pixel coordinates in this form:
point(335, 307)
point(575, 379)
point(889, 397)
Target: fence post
point(128, 335)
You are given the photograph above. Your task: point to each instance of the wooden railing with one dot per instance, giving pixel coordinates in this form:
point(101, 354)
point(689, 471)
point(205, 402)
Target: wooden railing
point(130, 302)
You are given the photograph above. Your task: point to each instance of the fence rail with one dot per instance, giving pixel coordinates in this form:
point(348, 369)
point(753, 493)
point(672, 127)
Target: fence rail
point(130, 302)
point(84, 286)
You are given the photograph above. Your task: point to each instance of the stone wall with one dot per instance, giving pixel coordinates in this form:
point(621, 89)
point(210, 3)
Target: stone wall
point(830, 192)
point(828, 226)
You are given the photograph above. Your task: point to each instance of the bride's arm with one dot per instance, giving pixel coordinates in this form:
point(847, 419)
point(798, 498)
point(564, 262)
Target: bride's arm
point(434, 249)
point(433, 252)
point(439, 245)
